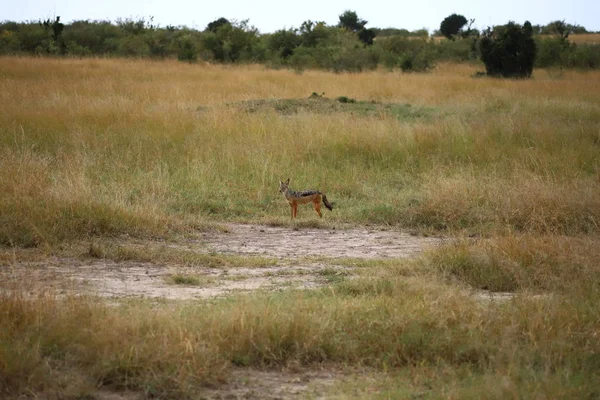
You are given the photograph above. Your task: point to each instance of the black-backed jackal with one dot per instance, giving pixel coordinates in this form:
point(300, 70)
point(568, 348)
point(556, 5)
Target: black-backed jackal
point(308, 196)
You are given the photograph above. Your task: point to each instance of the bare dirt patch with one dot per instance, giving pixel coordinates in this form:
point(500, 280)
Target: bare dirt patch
point(287, 243)
point(293, 249)
point(253, 384)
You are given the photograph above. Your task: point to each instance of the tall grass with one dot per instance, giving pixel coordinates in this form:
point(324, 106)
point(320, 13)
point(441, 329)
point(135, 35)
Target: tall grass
point(546, 264)
point(103, 147)
point(112, 147)
point(74, 345)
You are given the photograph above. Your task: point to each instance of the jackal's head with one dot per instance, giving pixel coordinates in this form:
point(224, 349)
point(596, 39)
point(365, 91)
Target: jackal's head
point(284, 186)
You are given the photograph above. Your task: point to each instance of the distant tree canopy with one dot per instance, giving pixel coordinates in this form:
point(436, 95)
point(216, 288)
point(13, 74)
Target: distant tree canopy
point(510, 53)
point(231, 42)
point(216, 24)
point(386, 32)
point(349, 20)
point(346, 46)
point(284, 42)
point(452, 25)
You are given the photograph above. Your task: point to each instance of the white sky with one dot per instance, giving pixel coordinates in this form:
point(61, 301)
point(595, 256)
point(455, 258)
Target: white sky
point(271, 15)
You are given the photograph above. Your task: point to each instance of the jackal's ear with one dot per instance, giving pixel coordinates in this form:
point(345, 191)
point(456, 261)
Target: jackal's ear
point(288, 181)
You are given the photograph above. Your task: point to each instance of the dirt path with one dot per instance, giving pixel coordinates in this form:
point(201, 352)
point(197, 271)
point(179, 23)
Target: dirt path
point(293, 249)
point(289, 243)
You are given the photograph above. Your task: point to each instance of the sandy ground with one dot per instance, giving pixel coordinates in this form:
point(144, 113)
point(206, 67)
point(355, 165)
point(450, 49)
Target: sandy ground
point(295, 250)
point(252, 384)
point(289, 243)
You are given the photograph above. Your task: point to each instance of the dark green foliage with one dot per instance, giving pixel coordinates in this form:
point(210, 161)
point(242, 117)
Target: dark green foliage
point(366, 36)
point(331, 48)
point(10, 42)
point(187, 50)
point(312, 33)
point(349, 20)
point(56, 27)
point(457, 50)
point(452, 25)
point(283, 42)
point(554, 52)
point(346, 47)
point(386, 32)
point(215, 25)
point(346, 99)
point(561, 29)
point(233, 42)
point(34, 39)
point(160, 43)
point(511, 53)
point(139, 27)
point(92, 37)
point(410, 55)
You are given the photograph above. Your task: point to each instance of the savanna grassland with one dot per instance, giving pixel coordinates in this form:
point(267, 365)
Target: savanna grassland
point(507, 172)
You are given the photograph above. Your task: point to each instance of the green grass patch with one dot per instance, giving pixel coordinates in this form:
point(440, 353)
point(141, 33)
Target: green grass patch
point(190, 280)
point(333, 275)
point(341, 104)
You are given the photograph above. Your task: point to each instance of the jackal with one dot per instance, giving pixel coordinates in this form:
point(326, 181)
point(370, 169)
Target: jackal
point(305, 197)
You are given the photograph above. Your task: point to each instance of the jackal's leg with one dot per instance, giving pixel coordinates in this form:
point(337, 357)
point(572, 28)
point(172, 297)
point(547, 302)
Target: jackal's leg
point(292, 208)
point(317, 206)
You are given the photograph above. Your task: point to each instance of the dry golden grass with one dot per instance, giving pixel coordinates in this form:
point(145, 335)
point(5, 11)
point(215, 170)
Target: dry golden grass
point(68, 347)
point(102, 147)
point(588, 38)
point(98, 148)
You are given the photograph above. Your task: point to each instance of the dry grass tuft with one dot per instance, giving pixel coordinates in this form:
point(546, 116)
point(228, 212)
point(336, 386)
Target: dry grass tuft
point(523, 263)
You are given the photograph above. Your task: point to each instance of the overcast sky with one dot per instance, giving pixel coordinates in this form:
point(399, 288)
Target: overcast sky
point(271, 15)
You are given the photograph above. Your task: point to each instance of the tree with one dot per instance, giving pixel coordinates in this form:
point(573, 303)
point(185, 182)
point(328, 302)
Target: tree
point(452, 25)
point(366, 36)
point(216, 24)
point(349, 20)
point(559, 29)
point(510, 53)
point(56, 26)
point(232, 42)
point(284, 42)
point(312, 33)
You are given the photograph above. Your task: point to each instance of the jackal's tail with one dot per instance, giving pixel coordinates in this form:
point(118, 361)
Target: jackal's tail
point(327, 203)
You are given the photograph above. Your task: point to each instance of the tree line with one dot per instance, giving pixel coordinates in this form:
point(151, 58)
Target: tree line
point(349, 46)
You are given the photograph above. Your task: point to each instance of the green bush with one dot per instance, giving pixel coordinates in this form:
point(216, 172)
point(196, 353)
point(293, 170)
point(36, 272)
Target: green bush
point(556, 52)
point(348, 47)
point(410, 55)
point(187, 49)
point(510, 53)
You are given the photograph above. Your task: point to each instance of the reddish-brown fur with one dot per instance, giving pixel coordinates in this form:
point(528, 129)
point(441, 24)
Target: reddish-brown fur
point(294, 198)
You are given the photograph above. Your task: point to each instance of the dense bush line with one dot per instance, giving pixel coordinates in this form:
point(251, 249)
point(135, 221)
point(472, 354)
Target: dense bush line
point(346, 47)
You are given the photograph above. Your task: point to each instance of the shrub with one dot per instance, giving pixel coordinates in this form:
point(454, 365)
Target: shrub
point(452, 25)
point(187, 50)
point(510, 53)
point(283, 43)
